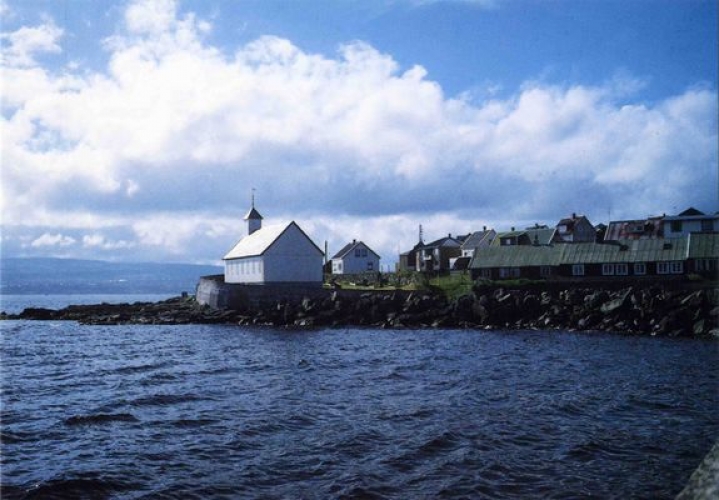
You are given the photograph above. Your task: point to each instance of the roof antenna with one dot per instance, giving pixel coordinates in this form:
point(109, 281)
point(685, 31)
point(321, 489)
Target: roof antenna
point(253, 197)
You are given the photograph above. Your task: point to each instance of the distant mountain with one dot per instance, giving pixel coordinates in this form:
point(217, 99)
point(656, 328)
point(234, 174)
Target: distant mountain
point(72, 276)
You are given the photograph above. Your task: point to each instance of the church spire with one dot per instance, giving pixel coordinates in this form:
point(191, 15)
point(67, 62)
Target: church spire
point(253, 217)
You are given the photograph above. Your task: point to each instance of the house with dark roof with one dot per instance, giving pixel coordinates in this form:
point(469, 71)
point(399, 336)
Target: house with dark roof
point(470, 243)
point(354, 258)
point(274, 254)
point(574, 229)
point(535, 235)
point(476, 240)
point(435, 256)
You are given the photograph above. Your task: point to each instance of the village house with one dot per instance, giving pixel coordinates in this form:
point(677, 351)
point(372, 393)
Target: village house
point(435, 256)
point(354, 258)
point(696, 253)
point(473, 241)
point(689, 221)
point(575, 229)
point(274, 254)
point(663, 226)
point(477, 239)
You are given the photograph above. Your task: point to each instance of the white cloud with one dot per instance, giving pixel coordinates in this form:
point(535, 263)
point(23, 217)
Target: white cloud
point(20, 47)
point(99, 241)
point(158, 153)
point(53, 240)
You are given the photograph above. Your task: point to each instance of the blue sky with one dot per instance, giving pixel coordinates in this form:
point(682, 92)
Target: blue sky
point(135, 130)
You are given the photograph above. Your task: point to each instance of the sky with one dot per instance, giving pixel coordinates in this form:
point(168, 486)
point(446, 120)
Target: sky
point(139, 130)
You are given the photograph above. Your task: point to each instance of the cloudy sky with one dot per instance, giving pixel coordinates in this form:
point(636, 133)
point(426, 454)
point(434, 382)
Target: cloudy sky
point(136, 130)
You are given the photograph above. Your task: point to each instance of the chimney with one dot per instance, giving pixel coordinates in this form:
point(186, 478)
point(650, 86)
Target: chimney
point(484, 228)
point(574, 215)
point(354, 241)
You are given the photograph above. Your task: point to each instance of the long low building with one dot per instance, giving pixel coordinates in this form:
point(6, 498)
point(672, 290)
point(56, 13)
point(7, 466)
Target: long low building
point(697, 253)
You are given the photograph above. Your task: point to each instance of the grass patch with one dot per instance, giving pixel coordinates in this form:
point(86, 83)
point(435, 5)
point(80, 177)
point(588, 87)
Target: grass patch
point(452, 286)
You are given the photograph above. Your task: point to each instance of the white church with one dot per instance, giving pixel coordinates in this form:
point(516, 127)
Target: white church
point(274, 254)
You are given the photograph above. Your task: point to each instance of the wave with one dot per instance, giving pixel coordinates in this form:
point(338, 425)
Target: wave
point(100, 418)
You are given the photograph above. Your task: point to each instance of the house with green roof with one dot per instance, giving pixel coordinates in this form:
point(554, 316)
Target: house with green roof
point(697, 253)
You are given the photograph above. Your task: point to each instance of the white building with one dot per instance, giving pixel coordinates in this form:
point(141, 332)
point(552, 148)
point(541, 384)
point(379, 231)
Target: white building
point(690, 221)
point(279, 253)
point(355, 258)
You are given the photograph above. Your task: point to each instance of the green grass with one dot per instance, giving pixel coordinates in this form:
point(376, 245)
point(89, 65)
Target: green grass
point(452, 286)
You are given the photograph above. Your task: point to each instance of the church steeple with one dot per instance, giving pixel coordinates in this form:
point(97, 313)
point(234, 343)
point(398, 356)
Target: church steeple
point(253, 217)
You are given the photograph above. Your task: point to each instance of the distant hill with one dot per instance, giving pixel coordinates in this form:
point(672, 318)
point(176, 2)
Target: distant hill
point(72, 276)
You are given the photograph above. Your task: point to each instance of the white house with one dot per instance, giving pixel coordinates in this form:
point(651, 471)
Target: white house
point(278, 253)
point(690, 221)
point(354, 258)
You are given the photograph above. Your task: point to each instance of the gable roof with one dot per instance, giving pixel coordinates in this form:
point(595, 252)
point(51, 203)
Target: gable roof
point(540, 236)
point(442, 242)
point(570, 222)
point(261, 240)
point(351, 246)
point(477, 237)
point(691, 211)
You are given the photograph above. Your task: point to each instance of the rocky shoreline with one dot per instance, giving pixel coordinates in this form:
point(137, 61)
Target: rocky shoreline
point(640, 311)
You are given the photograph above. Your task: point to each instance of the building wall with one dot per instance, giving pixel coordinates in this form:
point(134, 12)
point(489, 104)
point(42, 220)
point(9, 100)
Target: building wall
point(293, 258)
point(680, 228)
point(246, 270)
point(583, 232)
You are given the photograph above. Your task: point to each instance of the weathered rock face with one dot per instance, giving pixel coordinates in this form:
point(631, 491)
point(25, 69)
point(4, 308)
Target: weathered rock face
point(652, 311)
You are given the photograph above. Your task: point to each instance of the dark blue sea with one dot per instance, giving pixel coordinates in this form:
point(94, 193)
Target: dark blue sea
point(198, 412)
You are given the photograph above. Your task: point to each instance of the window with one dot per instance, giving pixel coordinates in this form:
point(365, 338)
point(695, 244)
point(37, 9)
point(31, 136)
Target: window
point(608, 269)
point(509, 272)
point(676, 226)
point(364, 252)
point(358, 253)
point(621, 269)
point(578, 270)
point(674, 267)
point(640, 268)
point(702, 265)
point(707, 225)
point(545, 271)
point(370, 266)
point(486, 273)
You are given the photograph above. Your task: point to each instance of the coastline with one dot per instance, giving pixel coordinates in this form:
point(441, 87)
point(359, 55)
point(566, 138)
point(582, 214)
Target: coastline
point(655, 310)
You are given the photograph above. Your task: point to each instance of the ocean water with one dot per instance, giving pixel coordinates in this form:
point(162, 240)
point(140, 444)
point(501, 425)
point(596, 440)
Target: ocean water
point(234, 412)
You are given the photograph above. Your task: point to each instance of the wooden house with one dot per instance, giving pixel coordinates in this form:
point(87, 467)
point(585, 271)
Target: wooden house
point(354, 258)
